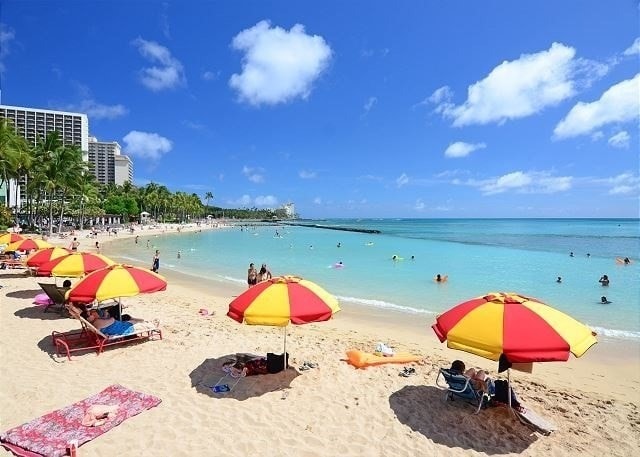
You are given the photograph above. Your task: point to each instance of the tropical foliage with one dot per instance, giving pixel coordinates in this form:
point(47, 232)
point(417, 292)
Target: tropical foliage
point(60, 186)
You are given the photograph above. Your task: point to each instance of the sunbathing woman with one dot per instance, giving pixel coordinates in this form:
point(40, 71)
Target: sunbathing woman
point(109, 326)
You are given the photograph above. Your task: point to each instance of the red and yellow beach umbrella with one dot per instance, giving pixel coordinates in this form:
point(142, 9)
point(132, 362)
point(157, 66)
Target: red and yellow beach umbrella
point(513, 328)
point(116, 281)
point(12, 237)
point(74, 265)
point(45, 255)
point(28, 244)
point(281, 300)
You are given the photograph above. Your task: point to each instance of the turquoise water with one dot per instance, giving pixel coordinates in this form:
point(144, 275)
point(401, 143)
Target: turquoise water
point(478, 255)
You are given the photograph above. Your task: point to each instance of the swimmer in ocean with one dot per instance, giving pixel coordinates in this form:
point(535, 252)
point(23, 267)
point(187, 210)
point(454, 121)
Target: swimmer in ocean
point(438, 278)
point(394, 257)
point(559, 280)
point(604, 300)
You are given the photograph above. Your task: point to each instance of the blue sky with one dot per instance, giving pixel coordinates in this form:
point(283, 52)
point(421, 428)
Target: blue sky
point(350, 109)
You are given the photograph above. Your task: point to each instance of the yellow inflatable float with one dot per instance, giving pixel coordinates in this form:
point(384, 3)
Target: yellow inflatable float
point(361, 359)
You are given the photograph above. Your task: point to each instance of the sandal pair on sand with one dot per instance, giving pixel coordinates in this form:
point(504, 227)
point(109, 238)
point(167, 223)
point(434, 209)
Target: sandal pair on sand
point(408, 371)
point(308, 365)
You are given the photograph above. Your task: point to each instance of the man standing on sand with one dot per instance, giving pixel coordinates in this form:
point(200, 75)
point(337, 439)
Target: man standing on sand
point(74, 245)
point(252, 275)
point(155, 266)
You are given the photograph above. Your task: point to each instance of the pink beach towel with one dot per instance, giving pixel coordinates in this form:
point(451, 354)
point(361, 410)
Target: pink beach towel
point(42, 300)
point(48, 435)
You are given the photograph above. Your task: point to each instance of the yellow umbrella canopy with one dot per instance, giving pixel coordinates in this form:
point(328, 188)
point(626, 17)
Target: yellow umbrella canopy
point(74, 265)
point(28, 244)
point(281, 300)
point(9, 238)
point(45, 255)
point(514, 328)
point(116, 281)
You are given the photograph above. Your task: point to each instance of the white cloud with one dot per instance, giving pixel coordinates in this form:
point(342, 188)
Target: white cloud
point(520, 88)
point(252, 174)
point(242, 202)
point(597, 135)
point(623, 184)
point(462, 149)
point(440, 95)
point(521, 182)
point(317, 201)
point(370, 104)
point(266, 201)
point(307, 174)
point(97, 110)
point(210, 75)
point(146, 145)
point(633, 49)
point(402, 180)
point(167, 75)
point(7, 34)
point(620, 140)
point(618, 104)
point(419, 206)
point(278, 65)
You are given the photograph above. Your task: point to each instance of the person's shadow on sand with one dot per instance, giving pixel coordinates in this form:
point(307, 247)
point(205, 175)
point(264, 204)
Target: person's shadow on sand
point(453, 424)
point(209, 372)
point(37, 312)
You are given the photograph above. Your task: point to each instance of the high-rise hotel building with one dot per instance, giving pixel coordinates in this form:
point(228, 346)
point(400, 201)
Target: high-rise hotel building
point(73, 128)
point(108, 164)
point(34, 123)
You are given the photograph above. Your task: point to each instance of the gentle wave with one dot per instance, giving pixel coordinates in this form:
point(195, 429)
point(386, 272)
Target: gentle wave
point(384, 304)
point(618, 334)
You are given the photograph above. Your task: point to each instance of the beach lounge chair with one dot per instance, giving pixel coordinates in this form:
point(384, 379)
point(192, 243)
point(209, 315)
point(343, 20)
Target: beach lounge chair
point(90, 337)
point(56, 295)
point(458, 385)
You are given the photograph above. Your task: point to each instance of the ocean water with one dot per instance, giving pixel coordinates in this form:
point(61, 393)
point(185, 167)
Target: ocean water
point(477, 255)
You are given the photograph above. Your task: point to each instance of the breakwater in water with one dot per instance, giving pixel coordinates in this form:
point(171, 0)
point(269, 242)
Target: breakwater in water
point(333, 227)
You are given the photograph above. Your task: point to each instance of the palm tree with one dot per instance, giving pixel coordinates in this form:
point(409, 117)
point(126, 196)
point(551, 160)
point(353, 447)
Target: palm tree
point(208, 196)
point(49, 154)
point(14, 153)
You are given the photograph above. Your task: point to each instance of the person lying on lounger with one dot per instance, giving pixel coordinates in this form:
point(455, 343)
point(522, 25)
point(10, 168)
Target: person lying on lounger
point(109, 326)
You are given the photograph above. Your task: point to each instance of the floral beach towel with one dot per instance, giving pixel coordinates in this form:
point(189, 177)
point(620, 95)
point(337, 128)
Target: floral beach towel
point(48, 435)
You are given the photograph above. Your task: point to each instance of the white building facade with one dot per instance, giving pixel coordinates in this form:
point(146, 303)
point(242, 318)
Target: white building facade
point(34, 123)
point(109, 166)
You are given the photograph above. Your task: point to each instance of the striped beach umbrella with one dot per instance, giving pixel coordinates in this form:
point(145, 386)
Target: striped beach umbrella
point(45, 255)
point(116, 281)
point(74, 265)
point(28, 244)
point(514, 329)
point(283, 299)
point(12, 237)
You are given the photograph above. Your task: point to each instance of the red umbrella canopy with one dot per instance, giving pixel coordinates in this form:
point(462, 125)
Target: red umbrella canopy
point(519, 328)
point(74, 265)
point(28, 244)
point(45, 255)
point(116, 281)
point(281, 300)
point(12, 237)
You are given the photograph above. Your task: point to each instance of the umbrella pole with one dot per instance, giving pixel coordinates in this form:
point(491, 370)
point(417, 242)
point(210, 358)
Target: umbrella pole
point(510, 390)
point(285, 347)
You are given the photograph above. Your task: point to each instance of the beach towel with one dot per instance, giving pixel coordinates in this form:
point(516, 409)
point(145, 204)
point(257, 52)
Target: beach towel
point(48, 435)
point(360, 359)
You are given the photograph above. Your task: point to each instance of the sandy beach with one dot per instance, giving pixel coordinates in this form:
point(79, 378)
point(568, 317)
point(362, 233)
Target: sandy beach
point(330, 410)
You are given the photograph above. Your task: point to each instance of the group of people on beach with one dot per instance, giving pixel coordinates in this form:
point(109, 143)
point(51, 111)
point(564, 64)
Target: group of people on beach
point(255, 276)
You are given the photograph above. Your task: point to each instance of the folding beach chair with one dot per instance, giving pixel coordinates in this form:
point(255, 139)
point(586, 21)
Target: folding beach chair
point(56, 295)
point(458, 385)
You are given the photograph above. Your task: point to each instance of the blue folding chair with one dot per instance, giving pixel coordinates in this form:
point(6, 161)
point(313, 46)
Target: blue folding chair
point(458, 385)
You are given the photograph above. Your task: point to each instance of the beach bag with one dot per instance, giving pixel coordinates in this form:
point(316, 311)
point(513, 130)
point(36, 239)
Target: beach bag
point(276, 362)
